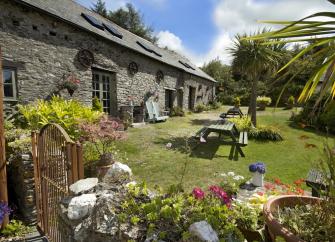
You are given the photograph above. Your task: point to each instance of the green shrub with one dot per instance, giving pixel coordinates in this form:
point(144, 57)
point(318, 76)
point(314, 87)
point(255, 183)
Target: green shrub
point(259, 133)
point(177, 111)
point(263, 101)
point(66, 113)
point(15, 229)
point(214, 105)
point(17, 140)
point(225, 99)
point(97, 105)
point(200, 107)
point(290, 102)
point(242, 124)
point(328, 117)
point(265, 133)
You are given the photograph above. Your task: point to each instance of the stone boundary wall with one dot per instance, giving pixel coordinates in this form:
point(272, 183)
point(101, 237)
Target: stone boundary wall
point(22, 180)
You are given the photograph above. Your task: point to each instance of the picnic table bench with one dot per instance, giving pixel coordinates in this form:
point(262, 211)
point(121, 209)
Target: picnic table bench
point(226, 129)
point(316, 181)
point(232, 113)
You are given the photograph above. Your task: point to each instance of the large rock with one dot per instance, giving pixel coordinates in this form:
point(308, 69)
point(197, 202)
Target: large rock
point(83, 185)
point(203, 231)
point(117, 172)
point(80, 206)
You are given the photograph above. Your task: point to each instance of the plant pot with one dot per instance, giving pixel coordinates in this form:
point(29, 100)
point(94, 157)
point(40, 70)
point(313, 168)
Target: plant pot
point(274, 227)
point(105, 162)
point(253, 235)
point(102, 170)
point(257, 179)
point(70, 91)
point(261, 106)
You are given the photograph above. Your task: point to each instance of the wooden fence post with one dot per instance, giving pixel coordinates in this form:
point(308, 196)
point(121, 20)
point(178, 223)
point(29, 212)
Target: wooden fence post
point(3, 173)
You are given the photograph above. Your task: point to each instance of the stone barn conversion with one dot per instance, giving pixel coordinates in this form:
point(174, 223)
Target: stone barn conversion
point(47, 42)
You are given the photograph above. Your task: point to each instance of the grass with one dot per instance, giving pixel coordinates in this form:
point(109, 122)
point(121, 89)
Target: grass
point(151, 161)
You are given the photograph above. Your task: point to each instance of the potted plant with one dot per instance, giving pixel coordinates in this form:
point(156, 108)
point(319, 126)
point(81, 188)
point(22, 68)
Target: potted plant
point(262, 102)
point(304, 218)
point(102, 135)
point(258, 171)
point(250, 222)
point(237, 102)
point(71, 84)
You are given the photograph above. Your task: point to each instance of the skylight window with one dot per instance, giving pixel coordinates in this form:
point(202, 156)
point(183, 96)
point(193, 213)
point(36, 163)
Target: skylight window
point(113, 30)
point(93, 21)
point(147, 48)
point(186, 65)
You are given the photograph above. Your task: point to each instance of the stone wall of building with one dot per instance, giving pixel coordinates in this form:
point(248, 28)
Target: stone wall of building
point(47, 49)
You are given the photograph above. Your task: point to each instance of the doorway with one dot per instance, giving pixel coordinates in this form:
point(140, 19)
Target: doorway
point(191, 97)
point(104, 88)
point(168, 100)
point(180, 98)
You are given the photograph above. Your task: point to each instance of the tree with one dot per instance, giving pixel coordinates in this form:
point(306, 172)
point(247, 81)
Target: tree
point(100, 8)
point(132, 20)
point(321, 35)
point(220, 72)
point(252, 58)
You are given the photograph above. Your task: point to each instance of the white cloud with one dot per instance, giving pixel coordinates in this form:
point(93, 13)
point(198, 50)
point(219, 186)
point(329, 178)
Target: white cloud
point(241, 16)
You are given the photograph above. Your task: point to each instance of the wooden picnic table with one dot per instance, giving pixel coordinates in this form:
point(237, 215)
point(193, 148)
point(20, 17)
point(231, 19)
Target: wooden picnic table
point(227, 129)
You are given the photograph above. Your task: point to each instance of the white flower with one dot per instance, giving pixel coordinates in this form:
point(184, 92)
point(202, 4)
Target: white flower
point(231, 173)
point(168, 145)
point(223, 174)
point(238, 177)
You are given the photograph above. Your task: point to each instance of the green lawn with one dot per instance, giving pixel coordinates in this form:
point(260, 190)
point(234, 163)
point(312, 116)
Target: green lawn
point(151, 161)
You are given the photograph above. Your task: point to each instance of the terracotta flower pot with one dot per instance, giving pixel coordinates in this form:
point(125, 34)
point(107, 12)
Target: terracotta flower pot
point(274, 227)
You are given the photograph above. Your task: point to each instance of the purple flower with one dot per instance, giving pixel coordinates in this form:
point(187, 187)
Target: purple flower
point(221, 194)
point(258, 166)
point(253, 168)
point(4, 210)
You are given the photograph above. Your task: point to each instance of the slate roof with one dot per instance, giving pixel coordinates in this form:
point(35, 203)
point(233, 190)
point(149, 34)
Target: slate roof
point(70, 12)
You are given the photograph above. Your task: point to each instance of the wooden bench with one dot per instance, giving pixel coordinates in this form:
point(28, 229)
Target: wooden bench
point(232, 113)
point(316, 181)
point(228, 129)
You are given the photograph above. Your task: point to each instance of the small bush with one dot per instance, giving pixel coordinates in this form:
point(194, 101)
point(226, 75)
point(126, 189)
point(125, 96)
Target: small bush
point(16, 229)
point(177, 111)
point(259, 133)
point(265, 133)
point(97, 105)
point(328, 117)
point(290, 102)
point(214, 105)
point(263, 101)
point(242, 124)
point(200, 107)
point(67, 113)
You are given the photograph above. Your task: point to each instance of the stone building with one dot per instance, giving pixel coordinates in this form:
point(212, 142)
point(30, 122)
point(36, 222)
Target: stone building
point(46, 43)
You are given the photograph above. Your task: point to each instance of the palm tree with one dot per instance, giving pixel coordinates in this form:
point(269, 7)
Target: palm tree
point(321, 35)
point(253, 58)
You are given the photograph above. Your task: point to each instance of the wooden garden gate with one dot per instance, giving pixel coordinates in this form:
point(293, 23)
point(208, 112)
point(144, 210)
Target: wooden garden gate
point(57, 164)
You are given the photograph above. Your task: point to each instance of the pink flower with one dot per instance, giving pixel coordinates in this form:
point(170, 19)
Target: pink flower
point(198, 193)
point(221, 194)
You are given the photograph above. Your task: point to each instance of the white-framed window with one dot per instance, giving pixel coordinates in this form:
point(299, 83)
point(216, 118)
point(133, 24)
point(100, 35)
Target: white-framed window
point(10, 83)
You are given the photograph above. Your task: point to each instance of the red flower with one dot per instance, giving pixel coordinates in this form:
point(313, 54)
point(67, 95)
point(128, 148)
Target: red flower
point(268, 186)
point(299, 182)
point(278, 181)
point(260, 193)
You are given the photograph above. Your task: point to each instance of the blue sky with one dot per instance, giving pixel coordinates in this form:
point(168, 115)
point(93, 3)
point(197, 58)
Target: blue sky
point(203, 29)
